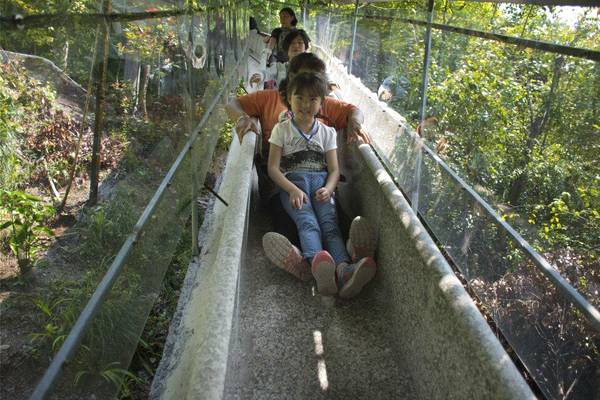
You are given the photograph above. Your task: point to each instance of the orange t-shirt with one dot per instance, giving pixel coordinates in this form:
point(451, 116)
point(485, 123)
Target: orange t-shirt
point(266, 105)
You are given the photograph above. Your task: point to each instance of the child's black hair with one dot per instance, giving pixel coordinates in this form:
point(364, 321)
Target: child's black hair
point(292, 13)
point(293, 35)
point(307, 83)
point(306, 62)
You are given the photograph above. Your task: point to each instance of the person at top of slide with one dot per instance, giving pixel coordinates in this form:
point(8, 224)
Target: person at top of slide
point(288, 21)
point(295, 43)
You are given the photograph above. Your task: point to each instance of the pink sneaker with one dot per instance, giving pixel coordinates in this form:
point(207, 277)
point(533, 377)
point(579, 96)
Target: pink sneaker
point(323, 269)
point(364, 271)
point(286, 256)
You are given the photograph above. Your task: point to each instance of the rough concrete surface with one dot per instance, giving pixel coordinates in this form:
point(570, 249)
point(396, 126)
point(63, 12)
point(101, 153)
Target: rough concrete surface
point(453, 352)
point(251, 331)
point(281, 323)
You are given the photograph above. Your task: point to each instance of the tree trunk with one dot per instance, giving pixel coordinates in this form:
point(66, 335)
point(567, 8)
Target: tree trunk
point(100, 97)
point(144, 89)
point(65, 60)
point(82, 127)
point(235, 36)
point(209, 42)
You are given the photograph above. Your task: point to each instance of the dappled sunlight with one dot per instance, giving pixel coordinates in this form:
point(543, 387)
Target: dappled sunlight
point(321, 367)
point(318, 343)
point(322, 373)
point(452, 287)
point(405, 218)
point(431, 260)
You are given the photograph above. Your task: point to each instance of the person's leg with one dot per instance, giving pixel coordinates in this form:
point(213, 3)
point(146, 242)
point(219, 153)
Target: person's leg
point(270, 200)
point(362, 241)
point(282, 222)
point(327, 218)
point(361, 247)
point(322, 264)
point(344, 221)
point(305, 219)
point(286, 256)
point(353, 277)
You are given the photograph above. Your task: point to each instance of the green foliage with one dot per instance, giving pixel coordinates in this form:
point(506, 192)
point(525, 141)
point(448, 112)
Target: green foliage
point(9, 164)
point(34, 128)
point(121, 97)
point(103, 229)
point(52, 331)
point(61, 308)
point(113, 374)
point(24, 216)
point(571, 221)
point(521, 123)
point(225, 136)
point(23, 102)
point(57, 42)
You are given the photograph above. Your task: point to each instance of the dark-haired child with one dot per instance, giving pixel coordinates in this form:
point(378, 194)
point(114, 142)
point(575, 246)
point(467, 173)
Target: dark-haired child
point(303, 163)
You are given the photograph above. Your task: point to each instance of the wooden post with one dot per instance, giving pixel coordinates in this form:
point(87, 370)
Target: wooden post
point(100, 100)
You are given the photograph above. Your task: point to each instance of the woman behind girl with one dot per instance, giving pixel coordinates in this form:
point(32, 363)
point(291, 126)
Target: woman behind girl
point(288, 21)
point(303, 163)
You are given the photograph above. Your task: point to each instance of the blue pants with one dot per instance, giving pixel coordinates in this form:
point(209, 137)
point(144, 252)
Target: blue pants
point(316, 221)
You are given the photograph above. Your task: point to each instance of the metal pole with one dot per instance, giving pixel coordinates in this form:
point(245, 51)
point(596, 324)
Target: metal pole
point(325, 39)
point(593, 55)
point(304, 15)
point(194, 165)
point(193, 160)
point(353, 37)
point(422, 110)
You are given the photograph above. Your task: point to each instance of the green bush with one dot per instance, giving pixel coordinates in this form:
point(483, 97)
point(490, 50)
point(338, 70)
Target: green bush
point(24, 216)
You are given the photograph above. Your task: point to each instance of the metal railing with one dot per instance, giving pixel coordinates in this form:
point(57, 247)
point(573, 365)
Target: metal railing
point(75, 336)
point(589, 311)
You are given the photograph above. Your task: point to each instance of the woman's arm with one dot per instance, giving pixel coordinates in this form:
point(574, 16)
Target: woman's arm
point(345, 116)
point(354, 131)
point(297, 196)
point(234, 109)
point(244, 122)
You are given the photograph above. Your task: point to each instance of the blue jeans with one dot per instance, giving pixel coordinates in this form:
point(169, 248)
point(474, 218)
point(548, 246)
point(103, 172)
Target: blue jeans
point(316, 221)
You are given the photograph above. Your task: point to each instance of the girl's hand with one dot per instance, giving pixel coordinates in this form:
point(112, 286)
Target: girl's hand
point(297, 198)
point(323, 194)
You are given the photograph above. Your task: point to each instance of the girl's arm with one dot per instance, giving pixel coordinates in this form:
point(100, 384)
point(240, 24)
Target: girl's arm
point(333, 176)
point(297, 196)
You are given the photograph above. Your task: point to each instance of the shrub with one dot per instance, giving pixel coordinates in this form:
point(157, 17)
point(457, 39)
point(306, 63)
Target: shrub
point(24, 216)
